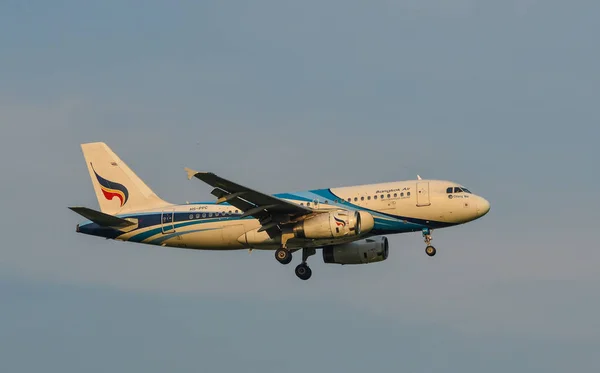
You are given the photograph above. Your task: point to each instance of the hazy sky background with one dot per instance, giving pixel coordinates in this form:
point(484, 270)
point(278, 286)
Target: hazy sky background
point(501, 96)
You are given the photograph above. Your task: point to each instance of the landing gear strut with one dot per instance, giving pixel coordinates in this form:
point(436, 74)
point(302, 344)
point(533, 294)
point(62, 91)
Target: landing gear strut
point(283, 254)
point(429, 250)
point(303, 271)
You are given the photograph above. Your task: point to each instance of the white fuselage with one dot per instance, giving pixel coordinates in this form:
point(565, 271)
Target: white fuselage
point(397, 207)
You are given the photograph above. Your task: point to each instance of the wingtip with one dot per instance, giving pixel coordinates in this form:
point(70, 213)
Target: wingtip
point(190, 173)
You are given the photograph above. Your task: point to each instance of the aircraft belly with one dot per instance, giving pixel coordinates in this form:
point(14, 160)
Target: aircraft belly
point(210, 236)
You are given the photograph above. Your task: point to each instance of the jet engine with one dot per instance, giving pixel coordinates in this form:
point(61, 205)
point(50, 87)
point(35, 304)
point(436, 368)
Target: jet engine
point(370, 250)
point(335, 224)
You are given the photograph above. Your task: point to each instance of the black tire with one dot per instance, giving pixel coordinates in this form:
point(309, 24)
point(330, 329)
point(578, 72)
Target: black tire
point(430, 250)
point(303, 271)
point(283, 256)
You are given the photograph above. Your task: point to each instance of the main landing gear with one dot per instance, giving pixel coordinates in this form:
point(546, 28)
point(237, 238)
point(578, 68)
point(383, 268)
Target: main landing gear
point(303, 271)
point(429, 250)
point(283, 255)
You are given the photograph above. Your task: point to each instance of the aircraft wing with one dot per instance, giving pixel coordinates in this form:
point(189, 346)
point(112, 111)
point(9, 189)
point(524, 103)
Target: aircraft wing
point(269, 210)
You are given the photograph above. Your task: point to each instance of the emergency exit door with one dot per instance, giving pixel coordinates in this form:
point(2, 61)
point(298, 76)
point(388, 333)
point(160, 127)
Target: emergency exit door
point(168, 221)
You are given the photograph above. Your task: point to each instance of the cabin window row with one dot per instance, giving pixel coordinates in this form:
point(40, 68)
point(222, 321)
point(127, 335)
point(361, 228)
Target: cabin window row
point(213, 214)
point(381, 197)
point(367, 198)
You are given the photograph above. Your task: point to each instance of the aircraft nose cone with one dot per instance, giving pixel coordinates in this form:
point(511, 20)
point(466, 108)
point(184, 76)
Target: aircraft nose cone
point(483, 206)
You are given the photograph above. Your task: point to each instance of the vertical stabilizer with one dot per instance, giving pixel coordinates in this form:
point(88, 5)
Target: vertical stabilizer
point(118, 189)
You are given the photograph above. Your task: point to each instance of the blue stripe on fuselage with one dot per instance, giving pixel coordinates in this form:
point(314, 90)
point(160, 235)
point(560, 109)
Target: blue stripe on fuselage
point(384, 222)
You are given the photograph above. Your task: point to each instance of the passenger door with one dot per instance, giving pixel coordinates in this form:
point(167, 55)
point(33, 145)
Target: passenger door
point(423, 194)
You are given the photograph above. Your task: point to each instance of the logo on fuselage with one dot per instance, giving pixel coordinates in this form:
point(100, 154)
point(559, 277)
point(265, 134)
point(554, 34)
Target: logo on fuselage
point(111, 189)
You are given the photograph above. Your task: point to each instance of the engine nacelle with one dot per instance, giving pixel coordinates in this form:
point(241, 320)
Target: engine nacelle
point(370, 250)
point(335, 224)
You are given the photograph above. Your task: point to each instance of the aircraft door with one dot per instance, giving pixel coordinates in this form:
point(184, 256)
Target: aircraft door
point(168, 221)
point(423, 194)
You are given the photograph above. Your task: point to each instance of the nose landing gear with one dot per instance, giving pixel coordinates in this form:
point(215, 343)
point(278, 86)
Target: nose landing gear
point(429, 250)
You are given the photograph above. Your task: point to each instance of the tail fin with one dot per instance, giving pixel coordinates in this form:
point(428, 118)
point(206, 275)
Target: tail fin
point(117, 188)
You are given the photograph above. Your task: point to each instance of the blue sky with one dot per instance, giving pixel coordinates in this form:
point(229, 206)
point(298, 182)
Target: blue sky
point(501, 96)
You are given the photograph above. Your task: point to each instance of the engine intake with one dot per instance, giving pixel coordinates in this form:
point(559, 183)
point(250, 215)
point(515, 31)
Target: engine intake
point(335, 224)
point(370, 250)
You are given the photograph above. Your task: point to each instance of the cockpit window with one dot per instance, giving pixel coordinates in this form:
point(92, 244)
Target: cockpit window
point(458, 190)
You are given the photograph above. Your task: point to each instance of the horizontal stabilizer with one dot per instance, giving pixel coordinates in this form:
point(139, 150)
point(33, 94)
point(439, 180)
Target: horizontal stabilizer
point(102, 219)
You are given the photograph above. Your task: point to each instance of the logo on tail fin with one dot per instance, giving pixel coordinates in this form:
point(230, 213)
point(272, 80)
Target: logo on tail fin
point(110, 189)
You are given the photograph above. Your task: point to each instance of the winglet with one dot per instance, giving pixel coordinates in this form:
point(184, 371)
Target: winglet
point(190, 173)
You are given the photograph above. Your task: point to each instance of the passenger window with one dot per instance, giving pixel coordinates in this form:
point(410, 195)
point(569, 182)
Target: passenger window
point(374, 197)
point(368, 198)
point(402, 194)
point(349, 199)
point(355, 199)
point(408, 194)
point(389, 195)
point(395, 195)
point(362, 198)
point(382, 196)
point(449, 190)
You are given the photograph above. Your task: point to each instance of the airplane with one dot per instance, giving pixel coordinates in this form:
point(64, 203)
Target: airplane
point(346, 223)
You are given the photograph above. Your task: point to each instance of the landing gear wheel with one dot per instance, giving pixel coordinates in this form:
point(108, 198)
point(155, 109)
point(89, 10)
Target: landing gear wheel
point(303, 271)
point(283, 256)
point(430, 250)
